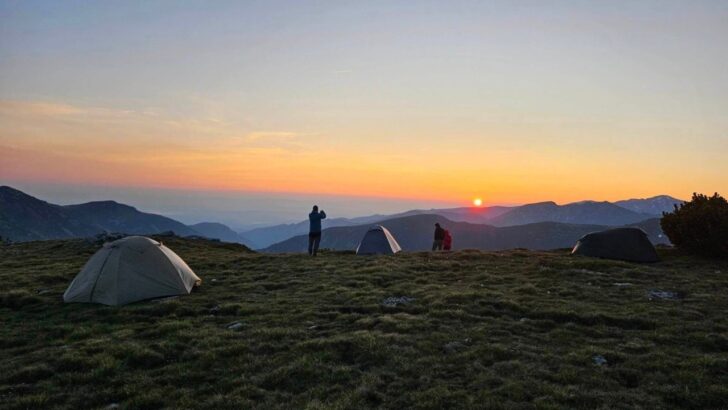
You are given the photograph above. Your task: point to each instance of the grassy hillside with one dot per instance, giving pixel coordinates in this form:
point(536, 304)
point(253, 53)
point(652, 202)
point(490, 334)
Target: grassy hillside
point(514, 329)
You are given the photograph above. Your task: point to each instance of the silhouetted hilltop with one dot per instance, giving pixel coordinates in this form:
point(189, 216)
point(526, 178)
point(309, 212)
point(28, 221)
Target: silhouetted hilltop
point(222, 232)
point(111, 216)
point(26, 218)
point(653, 206)
point(586, 212)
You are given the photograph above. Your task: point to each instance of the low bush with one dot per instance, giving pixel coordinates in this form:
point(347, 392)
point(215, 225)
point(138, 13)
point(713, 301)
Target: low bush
point(699, 226)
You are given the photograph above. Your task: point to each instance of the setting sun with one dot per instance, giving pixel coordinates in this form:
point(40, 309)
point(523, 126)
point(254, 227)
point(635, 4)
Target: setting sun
point(477, 202)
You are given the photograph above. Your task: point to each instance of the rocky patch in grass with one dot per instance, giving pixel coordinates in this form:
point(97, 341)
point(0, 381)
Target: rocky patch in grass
point(394, 301)
point(664, 295)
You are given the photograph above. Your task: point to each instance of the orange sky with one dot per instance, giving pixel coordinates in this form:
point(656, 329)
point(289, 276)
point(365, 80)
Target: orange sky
point(511, 102)
point(100, 146)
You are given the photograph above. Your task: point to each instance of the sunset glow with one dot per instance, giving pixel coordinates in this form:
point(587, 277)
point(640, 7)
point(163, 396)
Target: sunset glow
point(426, 107)
point(364, 204)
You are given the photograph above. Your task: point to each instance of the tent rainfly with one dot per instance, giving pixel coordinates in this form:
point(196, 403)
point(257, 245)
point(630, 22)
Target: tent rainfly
point(626, 244)
point(378, 241)
point(129, 270)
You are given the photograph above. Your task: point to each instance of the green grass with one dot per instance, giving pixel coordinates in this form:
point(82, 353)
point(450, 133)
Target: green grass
point(514, 329)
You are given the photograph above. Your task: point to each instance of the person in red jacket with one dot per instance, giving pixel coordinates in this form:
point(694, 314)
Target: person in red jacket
point(447, 241)
point(439, 237)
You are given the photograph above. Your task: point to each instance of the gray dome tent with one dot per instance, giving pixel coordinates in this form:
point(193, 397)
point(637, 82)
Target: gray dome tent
point(627, 244)
point(378, 241)
point(131, 269)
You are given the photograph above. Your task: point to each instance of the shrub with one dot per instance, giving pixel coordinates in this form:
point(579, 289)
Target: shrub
point(699, 226)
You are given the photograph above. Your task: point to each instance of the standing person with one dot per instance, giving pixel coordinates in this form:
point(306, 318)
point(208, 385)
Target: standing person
point(447, 241)
point(314, 231)
point(439, 237)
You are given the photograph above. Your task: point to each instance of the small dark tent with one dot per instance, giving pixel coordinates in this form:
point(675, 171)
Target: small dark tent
point(627, 244)
point(378, 241)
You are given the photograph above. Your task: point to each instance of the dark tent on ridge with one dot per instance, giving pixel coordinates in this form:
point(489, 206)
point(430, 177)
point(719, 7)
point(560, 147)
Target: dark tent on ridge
point(626, 244)
point(378, 241)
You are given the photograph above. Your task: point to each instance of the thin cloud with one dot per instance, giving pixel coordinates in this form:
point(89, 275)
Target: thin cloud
point(37, 108)
point(16, 108)
point(130, 135)
point(272, 135)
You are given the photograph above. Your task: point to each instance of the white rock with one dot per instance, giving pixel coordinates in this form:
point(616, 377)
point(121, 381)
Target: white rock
point(235, 326)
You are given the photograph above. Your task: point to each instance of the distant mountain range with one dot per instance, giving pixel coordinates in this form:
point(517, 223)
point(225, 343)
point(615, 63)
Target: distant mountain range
point(541, 225)
point(585, 212)
point(26, 218)
point(266, 236)
point(415, 232)
point(222, 232)
point(653, 206)
point(110, 216)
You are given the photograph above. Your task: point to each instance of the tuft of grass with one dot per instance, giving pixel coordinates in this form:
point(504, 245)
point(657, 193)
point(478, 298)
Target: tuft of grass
point(18, 299)
point(502, 330)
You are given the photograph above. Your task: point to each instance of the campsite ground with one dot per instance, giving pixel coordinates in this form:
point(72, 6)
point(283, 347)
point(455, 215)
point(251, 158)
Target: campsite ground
point(514, 329)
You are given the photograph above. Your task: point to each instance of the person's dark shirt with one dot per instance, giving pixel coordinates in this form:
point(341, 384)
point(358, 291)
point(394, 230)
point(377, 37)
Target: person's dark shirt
point(314, 219)
point(439, 233)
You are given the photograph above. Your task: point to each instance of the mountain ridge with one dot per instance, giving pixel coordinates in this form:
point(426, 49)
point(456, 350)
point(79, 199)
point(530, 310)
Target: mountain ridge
point(582, 212)
point(656, 204)
point(112, 216)
point(414, 233)
point(224, 233)
point(24, 217)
